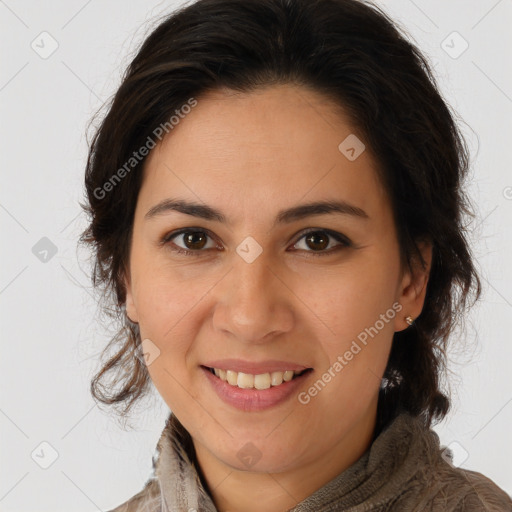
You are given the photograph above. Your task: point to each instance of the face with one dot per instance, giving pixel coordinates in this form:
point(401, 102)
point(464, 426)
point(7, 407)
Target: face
point(251, 277)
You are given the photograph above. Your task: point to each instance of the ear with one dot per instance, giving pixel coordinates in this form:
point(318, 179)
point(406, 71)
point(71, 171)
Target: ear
point(413, 286)
point(131, 309)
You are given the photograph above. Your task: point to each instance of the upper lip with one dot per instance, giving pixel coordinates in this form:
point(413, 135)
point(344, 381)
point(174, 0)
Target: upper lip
point(268, 366)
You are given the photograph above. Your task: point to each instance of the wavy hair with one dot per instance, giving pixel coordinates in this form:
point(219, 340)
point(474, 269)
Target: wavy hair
point(353, 54)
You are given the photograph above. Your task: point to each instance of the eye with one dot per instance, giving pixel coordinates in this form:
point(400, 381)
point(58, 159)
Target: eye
point(321, 241)
point(193, 240)
point(196, 240)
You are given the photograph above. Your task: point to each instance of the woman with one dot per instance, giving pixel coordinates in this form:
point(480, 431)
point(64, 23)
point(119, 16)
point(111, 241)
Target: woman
point(277, 211)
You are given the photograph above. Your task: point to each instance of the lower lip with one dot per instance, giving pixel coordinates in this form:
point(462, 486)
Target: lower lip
point(254, 399)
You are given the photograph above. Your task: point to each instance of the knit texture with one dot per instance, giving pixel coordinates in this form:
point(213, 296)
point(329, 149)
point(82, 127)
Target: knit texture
point(404, 470)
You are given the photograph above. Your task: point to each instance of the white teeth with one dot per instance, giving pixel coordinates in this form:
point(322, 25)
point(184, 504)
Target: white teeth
point(250, 381)
point(245, 380)
point(262, 381)
point(277, 378)
point(231, 377)
point(288, 375)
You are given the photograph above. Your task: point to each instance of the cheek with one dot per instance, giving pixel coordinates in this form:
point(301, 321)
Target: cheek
point(172, 310)
point(168, 317)
point(357, 307)
point(165, 296)
point(351, 298)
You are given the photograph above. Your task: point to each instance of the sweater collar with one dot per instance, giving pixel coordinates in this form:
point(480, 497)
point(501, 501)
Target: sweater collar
point(378, 475)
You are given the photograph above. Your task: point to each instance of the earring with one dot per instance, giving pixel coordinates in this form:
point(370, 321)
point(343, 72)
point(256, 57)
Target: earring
point(409, 320)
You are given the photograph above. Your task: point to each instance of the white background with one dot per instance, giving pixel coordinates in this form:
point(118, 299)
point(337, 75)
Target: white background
point(51, 332)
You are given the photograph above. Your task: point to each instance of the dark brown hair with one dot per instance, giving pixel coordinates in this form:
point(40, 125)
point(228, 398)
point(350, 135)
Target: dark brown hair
point(353, 54)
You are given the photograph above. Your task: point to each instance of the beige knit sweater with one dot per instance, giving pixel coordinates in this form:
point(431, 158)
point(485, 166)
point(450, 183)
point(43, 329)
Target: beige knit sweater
point(404, 470)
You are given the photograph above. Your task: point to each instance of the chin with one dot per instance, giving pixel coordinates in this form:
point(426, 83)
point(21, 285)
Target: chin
point(259, 456)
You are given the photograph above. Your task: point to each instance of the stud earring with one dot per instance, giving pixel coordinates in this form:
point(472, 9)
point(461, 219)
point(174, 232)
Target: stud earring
point(409, 320)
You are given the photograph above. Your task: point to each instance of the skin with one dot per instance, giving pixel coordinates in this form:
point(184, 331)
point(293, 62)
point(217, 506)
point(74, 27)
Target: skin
point(251, 155)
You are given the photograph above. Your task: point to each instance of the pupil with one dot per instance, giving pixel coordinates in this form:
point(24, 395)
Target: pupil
point(191, 240)
point(316, 236)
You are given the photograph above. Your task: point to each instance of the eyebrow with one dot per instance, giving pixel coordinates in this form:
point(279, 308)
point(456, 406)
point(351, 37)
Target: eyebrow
point(284, 216)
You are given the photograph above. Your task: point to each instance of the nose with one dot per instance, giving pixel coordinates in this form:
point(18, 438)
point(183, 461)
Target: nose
point(253, 303)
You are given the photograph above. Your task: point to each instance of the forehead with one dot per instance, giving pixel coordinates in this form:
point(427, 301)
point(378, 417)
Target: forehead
point(274, 146)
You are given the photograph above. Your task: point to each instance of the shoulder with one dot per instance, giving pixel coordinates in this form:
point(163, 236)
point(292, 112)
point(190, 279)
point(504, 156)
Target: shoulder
point(147, 500)
point(462, 490)
point(479, 493)
point(428, 479)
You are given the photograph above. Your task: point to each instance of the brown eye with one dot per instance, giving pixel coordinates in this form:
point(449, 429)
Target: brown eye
point(194, 240)
point(189, 241)
point(322, 242)
point(317, 241)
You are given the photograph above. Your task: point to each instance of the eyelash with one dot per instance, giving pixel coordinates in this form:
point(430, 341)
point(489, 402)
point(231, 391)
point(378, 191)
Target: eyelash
point(344, 241)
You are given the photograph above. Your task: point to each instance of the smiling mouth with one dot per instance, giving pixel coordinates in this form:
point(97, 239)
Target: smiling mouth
point(260, 382)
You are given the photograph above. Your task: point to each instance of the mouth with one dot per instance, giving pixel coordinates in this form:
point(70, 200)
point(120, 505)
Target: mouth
point(261, 381)
point(255, 392)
